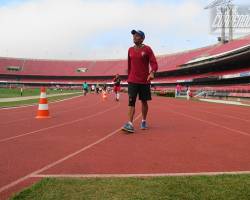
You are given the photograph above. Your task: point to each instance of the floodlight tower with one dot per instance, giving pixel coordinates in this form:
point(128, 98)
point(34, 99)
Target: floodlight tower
point(230, 7)
point(224, 5)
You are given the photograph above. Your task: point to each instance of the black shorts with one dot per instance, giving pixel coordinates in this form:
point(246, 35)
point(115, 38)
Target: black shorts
point(143, 90)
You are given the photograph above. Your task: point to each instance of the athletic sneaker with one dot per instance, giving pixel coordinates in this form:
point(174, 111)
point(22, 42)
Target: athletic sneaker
point(129, 128)
point(144, 125)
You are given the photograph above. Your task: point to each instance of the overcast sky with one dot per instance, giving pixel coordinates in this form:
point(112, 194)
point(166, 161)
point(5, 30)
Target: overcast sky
point(100, 29)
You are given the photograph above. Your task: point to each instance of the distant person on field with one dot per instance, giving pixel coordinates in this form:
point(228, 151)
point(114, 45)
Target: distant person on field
point(117, 87)
point(177, 90)
point(189, 94)
point(85, 88)
point(97, 88)
point(21, 91)
point(93, 88)
point(104, 88)
point(104, 91)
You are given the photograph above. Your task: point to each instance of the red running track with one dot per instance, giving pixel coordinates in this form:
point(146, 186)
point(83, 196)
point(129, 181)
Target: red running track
point(83, 138)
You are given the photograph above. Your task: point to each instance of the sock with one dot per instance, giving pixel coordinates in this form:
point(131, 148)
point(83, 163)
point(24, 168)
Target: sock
point(130, 123)
point(143, 120)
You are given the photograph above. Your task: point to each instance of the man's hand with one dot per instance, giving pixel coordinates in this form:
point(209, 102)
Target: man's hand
point(151, 76)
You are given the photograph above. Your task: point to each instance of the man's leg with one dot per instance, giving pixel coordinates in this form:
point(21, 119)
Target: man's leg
point(131, 113)
point(132, 92)
point(116, 94)
point(128, 127)
point(144, 110)
point(144, 96)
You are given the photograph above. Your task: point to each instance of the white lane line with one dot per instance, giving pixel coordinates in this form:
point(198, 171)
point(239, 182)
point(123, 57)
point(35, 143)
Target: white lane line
point(8, 186)
point(12, 184)
point(136, 175)
point(58, 125)
point(228, 116)
point(223, 115)
point(59, 112)
point(207, 122)
point(211, 123)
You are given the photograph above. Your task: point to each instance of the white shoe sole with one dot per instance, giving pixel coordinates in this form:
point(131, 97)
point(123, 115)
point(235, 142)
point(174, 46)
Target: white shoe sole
point(129, 131)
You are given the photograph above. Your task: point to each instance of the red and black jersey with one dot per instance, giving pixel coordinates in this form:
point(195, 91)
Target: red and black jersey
point(138, 64)
point(117, 82)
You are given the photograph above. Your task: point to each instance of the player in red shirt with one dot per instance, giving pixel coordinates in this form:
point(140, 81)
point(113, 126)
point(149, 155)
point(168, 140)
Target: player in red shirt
point(140, 56)
point(117, 87)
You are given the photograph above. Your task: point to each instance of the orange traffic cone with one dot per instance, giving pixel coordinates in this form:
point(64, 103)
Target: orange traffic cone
point(43, 108)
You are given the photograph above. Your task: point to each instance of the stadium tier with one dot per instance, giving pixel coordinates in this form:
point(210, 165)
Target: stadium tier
point(215, 62)
point(223, 74)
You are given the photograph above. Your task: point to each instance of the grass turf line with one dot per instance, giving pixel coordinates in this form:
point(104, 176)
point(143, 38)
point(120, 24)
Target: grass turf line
point(15, 92)
point(35, 101)
point(221, 187)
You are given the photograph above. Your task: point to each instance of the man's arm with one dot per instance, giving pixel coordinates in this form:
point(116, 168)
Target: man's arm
point(129, 63)
point(152, 61)
point(153, 65)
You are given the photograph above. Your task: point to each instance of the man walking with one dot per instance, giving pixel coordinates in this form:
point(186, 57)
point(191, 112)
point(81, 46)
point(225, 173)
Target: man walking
point(85, 88)
point(140, 56)
point(117, 87)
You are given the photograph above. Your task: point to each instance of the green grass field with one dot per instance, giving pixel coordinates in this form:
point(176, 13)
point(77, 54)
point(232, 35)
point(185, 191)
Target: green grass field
point(223, 187)
point(35, 101)
point(15, 92)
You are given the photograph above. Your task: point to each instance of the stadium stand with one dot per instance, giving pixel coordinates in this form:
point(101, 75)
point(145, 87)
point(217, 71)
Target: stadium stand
point(216, 67)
